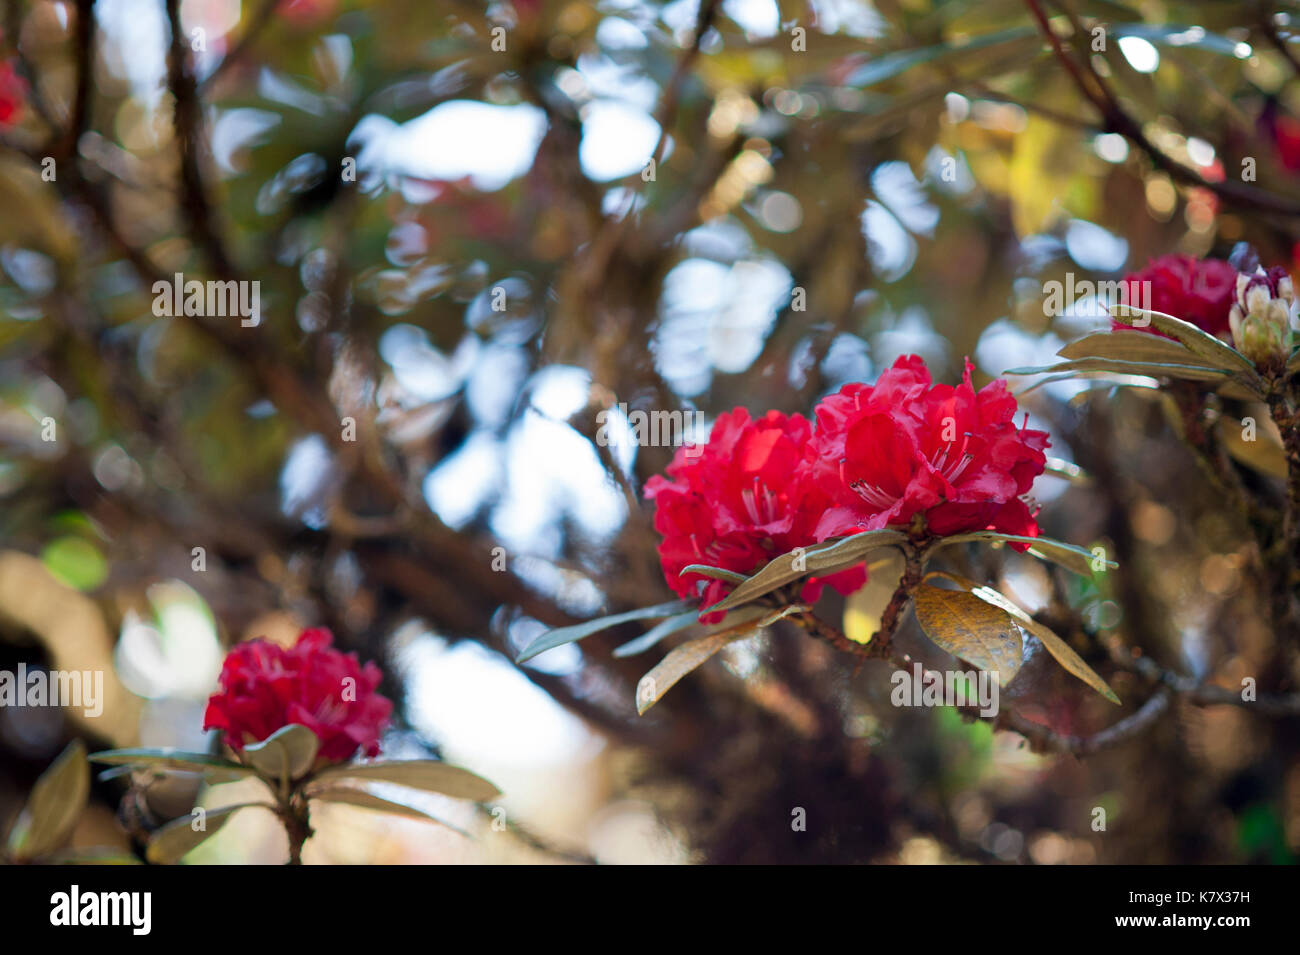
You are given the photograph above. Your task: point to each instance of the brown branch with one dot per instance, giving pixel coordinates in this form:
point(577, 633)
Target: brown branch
point(84, 46)
point(1044, 739)
point(1117, 120)
point(602, 247)
point(188, 125)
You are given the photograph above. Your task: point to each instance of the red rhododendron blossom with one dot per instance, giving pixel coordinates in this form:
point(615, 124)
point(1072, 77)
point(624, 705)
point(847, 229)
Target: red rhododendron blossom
point(738, 501)
point(13, 91)
point(265, 687)
point(1199, 291)
point(902, 447)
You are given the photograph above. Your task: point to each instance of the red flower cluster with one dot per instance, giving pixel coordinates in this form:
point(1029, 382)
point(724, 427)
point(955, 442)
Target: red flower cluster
point(265, 687)
point(742, 499)
point(881, 455)
point(1199, 291)
point(13, 91)
point(890, 451)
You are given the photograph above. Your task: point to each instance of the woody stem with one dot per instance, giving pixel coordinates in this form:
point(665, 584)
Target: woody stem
point(913, 569)
point(297, 824)
point(1282, 558)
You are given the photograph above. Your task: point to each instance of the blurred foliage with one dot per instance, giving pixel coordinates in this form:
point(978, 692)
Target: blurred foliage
point(919, 170)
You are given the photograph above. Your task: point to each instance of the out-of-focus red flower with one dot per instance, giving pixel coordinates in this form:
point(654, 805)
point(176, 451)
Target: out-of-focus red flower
point(306, 12)
point(1199, 291)
point(740, 500)
point(1283, 132)
point(13, 92)
point(887, 452)
point(265, 687)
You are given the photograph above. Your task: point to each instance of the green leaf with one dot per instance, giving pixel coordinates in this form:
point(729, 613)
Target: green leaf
point(1264, 454)
point(971, 629)
point(1203, 344)
point(430, 775)
point(1132, 345)
point(1069, 471)
point(1061, 651)
point(556, 638)
point(1178, 37)
point(815, 561)
point(95, 855)
point(53, 807)
point(1045, 548)
point(717, 573)
point(1100, 379)
point(895, 64)
point(76, 562)
point(288, 753)
point(733, 618)
point(1116, 367)
point(692, 654)
point(656, 633)
point(170, 843)
point(368, 800)
point(214, 768)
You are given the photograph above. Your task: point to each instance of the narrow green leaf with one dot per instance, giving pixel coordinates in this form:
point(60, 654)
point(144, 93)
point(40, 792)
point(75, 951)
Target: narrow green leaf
point(717, 573)
point(95, 855)
point(1207, 346)
point(214, 768)
point(1116, 367)
point(1069, 471)
point(1263, 453)
point(734, 618)
point(895, 64)
point(1132, 345)
point(692, 654)
point(368, 800)
point(1067, 555)
point(170, 843)
point(1180, 37)
point(815, 561)
point(556, 638)
point(656, 633)
point(53, 807)
point(1102, 379)
point(430, 775)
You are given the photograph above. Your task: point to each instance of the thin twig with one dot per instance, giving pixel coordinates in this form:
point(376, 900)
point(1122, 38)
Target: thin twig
point(1117, 120)
point(188, 123)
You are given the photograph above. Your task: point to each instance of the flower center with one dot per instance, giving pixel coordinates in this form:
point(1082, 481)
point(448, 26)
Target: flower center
point(761, 504)
point(950, 470)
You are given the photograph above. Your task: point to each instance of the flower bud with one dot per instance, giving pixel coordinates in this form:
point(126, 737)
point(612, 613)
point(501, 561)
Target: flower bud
point(1262, 314)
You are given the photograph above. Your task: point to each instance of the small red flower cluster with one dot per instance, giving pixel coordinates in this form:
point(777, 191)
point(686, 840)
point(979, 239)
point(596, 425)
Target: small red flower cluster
point(1200, 291)
point(265, 687)
point(880, 456)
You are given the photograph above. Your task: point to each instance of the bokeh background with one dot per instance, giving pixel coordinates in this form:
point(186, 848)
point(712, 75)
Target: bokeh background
point(836, 183)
